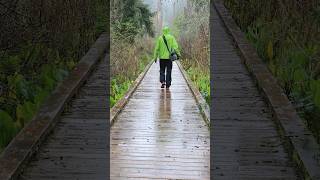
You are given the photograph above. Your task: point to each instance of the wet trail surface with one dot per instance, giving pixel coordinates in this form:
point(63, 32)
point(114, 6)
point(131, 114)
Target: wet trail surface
point(160, 133)
point(246, 144)
point(77, 147)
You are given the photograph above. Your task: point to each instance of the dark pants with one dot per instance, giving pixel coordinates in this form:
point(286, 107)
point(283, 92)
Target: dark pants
point(165, 65)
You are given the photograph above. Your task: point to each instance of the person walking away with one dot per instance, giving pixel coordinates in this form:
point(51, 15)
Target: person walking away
point(161, 51)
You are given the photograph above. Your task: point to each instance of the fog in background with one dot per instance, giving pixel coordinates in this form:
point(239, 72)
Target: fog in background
point(169, 9)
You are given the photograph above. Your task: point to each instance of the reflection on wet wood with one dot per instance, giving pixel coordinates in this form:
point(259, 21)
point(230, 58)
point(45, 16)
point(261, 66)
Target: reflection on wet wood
point(160, 133)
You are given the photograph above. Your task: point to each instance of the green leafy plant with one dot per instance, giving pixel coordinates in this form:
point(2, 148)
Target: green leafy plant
point(286, 36)
point(201, 80)
point(35, 58)
point(7, 128)
point(121, 83)
point(131, 44)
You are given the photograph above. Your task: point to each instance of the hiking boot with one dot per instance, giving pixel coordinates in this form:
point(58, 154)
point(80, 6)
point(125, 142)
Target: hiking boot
point(167, 87)
point(162, 85)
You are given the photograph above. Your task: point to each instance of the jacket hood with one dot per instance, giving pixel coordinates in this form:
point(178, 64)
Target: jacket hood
point(166, 30)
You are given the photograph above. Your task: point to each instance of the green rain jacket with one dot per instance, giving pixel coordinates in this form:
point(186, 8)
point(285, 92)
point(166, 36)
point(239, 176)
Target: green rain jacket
point(160, 50)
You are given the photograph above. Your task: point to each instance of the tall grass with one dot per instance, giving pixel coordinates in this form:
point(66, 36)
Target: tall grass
point(192, 30)
point(286, 36)
point(128, 60)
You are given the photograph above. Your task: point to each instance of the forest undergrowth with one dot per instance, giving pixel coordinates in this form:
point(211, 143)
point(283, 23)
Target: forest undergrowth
point(38, 48)
point(192, 29)
point(131, 44)
point(286, 36)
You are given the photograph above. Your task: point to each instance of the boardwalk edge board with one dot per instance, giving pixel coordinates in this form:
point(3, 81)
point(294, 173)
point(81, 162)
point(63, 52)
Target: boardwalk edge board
point(300, 142)
point(28, 140)
point(202, 104)
point(116, 109)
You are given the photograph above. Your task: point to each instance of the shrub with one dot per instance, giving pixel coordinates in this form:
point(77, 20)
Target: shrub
point(131, 44)
point(286, 36)
point(38, 47)
point(192, 28)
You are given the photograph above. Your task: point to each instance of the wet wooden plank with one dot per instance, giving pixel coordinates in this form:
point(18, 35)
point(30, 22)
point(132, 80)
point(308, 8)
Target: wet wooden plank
point(160, 133)
point(246, 144)
point(78, 146)
point(17, 154)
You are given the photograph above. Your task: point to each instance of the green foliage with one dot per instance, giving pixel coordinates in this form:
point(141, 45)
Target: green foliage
point(144, 59)
point(126, 31)
point(25, 112)
point(18, 86)
point(102, 20)
point(35, 58)
point(201, 80)
point(133, 18)
point(120, 84)
point(47, 77)
point(118, 90)
point(192, 30)
point(131, 44)
point(25, 88)
point(9, 64)
point(286, 37)
point(40, 96)
point(315, 90)
point(7, 128)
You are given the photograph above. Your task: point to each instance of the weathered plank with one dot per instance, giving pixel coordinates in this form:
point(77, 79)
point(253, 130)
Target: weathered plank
point(246, 144)
point(160, 133)
point(26, 143)
point(78, 146)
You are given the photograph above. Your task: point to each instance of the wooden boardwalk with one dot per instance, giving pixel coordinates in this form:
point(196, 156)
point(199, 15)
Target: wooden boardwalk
point(160, 134)
point(246, 144)
point(77, 148)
